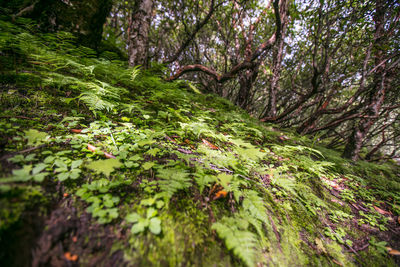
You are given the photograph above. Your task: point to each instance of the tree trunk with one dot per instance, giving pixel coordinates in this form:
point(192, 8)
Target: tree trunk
point(246, 81)
point(276, 74)
point(139, 33)
point(84, 19)
point(376, 95)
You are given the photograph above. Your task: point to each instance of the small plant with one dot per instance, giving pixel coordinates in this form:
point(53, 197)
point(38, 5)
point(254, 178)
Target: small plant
point(380, 246)
point(339, 216)
point(64, 172)
point(338, 235)
point(373, 219)
point(141, 224)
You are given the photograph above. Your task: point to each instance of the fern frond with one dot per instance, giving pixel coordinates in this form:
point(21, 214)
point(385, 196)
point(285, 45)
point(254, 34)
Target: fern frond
point(254, 204)
point(233, 231)
point(172, 180)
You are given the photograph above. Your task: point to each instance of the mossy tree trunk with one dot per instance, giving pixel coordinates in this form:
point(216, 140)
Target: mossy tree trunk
point(139, 29)
point(85, 19)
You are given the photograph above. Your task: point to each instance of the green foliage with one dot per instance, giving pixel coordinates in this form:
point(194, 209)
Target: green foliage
point(106, 166)
point(164, 180)
point(140, 224)
point(233, 230)
point(173, 180)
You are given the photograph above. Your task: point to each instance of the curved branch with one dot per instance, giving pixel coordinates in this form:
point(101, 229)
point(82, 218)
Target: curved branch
point(247, 63)
point(193, 34)
point(218, 77)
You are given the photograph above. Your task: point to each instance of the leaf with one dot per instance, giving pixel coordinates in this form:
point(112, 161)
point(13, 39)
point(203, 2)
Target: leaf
point(153, 151)
point(146, 142)
point(106, 166)
point(38, 168)
point(74, 174)
point(137, 228)
point(63, 176)
point(393, 251)
point(76, 163)
point(34, 136)
point(209, 144)
point(22, 174)
point(148, 165)
point(61, 164)
point(91, 148)
point(76, 130)
point(240, 241)
point(70, 257)
point(155, 225)
point(320, 245)
point(220, 194)
point(381, 211)
point(40, 177)
point(224, 179)
point(151, 212)
point(132, 217)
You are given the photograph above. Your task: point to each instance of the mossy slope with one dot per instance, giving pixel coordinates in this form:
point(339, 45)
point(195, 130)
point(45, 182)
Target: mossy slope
point(126, 169)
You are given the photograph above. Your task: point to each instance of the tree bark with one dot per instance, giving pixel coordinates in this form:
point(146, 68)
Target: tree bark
point(84, 19)
point(138, 43)
point(376, 95)
point(246, 81)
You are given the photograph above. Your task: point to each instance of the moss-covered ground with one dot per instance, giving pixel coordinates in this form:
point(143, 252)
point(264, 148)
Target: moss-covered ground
point(105, 165)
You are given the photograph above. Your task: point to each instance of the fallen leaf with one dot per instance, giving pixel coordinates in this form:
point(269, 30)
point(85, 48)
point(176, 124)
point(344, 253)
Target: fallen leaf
point(74, 239)
point(320, 245)
point(70, 257)
point(91, 147)
point(188, 142)
point(65, 194)
point(76, 130)
point(381, 211)
point(393, 251)
point(209, 144)
point(170, 139)
point(109, 156)
point(220, 194)
point(337, 262)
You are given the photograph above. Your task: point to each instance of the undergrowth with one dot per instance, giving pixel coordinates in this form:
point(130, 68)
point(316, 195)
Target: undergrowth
point(177, 170)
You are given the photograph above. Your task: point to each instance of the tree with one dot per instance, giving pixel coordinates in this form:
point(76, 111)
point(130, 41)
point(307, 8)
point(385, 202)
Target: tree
point(84, 19)
point(138, 43)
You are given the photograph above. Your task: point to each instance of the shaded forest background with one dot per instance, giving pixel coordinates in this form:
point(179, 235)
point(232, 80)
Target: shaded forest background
point(325, 68)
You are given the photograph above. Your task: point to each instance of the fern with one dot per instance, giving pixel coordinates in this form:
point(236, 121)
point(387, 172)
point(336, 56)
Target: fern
point(243, 243)
point(172, 180)
point(254, 204)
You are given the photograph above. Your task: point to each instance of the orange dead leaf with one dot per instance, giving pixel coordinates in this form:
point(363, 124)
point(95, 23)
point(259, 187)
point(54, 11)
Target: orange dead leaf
point(393, 251)
point(93, 149)
point(70, 257)
point(109, 156)
point(209, 144)
point(170, 139)
point(188, 142)
point(74, 239)
point(217, 192)
point(220, 194)
point(76, 130)
point(381, 211)
point(337, 262)
point(65, 194)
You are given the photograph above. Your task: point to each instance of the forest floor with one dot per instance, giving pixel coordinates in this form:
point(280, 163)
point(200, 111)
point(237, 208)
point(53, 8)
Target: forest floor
point(105, 165)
